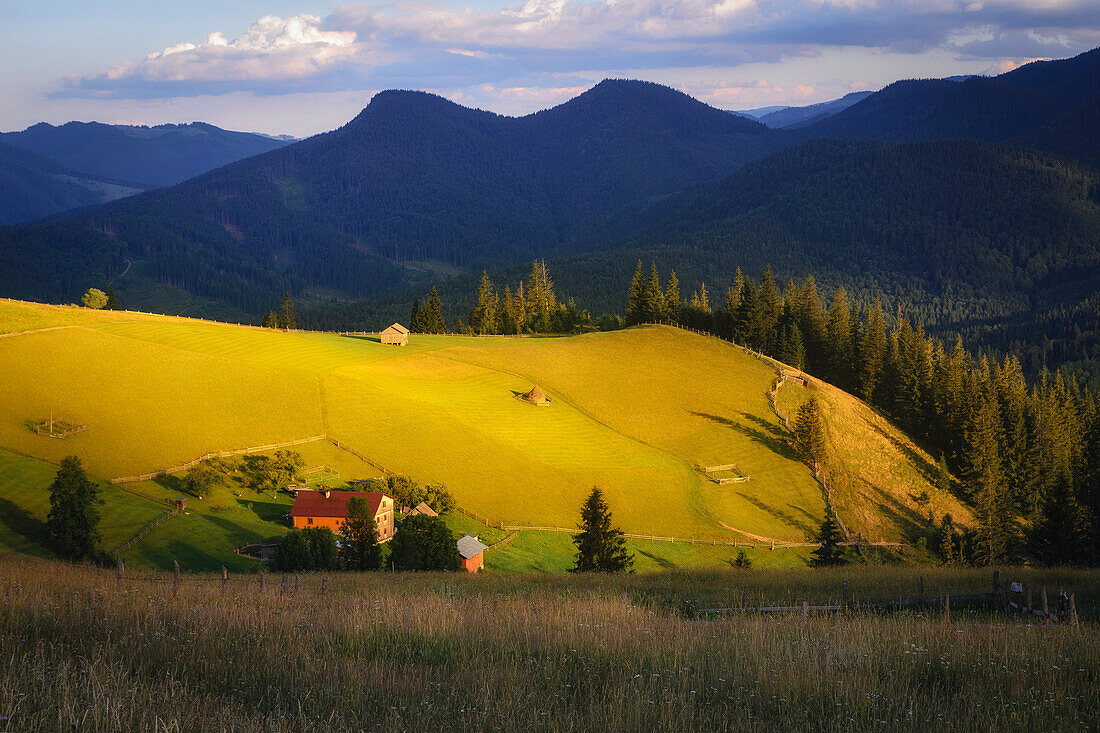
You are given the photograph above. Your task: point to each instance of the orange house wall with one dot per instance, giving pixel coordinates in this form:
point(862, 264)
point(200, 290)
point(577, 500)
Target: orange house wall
point(384, 521)
point(473, 564)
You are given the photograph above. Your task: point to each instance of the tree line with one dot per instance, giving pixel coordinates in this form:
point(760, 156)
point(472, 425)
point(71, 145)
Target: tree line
point(1027, 456)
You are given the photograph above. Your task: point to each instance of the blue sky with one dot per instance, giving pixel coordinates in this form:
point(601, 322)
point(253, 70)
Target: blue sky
point(300, 67)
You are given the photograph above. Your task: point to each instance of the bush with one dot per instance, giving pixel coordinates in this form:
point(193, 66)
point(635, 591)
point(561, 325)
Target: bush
point(293, 553)
point(423, 543)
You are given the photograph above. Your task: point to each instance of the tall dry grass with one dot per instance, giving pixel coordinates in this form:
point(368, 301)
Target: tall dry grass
point(83, 650)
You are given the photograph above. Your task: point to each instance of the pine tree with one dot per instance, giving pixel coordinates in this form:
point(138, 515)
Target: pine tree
point(74, 512)
point(432, 316)
point(768, 313)
point(791, 348)
point(744, 326)
point(270, 320)
point(361, 550)
point(672, 297)
point(600, 546)
point(985, 479)
point(112, 300)
point(541, 302)
point(509, 317)
point(416, 317)
point(872, 351)
point(654, 297)
point(700, 301)
point(519, 308)
point(947, 540)
point(829, 552)
point(635, 299)
point(810, 317)
point(288, 316)
point(1062, 532)
point(809, 432)
point(485, 317)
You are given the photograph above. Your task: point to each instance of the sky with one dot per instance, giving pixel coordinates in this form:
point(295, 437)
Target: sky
point(301, 67)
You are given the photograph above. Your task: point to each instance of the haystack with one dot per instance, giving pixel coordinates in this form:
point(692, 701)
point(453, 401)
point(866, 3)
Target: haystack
point(537, 397)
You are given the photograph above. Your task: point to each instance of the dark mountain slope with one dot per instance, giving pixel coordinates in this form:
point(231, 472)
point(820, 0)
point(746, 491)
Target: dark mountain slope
point(412, 179)
point(1010, 108)
point(963, 235)
point(32, 187)
point(146, 156)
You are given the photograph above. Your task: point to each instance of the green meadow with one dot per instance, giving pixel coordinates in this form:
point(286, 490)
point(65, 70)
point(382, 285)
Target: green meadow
point(638, 412)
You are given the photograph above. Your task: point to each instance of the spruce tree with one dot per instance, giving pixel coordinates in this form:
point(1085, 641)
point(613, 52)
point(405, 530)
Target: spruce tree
point(872, 351)
point(288, 316)
point(432, 316)
point(509, 317)
point(767, 319)
point(809, 432)
point(672, 297)
point(839, 338)
point(485, 318)
point(829, 552)
point(791, 348)
point(985, 480)
point(270, 320)
point(600, 546)
point(744, 326)
point(74, 511)
point(416, 317)
point(654, 297)
point(112, 300)
point(635, 299)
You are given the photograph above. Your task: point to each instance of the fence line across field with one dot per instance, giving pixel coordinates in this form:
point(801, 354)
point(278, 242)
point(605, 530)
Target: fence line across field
point(218, 454)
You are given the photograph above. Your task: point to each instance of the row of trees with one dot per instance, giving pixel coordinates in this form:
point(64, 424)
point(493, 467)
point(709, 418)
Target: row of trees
point(1028, 456)
point(532, 308)
point(286, 317)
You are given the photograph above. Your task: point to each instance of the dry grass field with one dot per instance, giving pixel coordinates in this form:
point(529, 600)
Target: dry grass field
point(536, 652)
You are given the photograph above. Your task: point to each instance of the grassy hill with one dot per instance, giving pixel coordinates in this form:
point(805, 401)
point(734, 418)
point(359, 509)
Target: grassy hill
point(637, 412)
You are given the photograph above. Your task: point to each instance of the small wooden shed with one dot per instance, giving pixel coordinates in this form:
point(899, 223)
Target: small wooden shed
point(396, 335)
point(471, 550)
point(422, 508)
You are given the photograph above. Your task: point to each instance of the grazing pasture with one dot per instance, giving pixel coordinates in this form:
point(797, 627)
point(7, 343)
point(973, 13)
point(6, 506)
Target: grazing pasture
point(639, 412)
point(536, 652)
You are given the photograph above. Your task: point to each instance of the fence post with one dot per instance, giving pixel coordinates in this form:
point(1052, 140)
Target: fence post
point(805, 609)
point(1004, 595)
point(1072, 609)
point(261, 581)
point(176, 574)
point(845, 596)
point(297, 583)
point(120, 568)
point(324, 583)
point(225, 578)
point(921, 594)
point(1029, 599)
point(1046, 608)
point(947, 608)
point(283, 591)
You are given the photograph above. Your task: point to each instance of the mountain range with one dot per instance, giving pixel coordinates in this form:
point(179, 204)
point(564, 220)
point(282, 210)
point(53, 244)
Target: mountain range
point(976, 203)
point(111, 161)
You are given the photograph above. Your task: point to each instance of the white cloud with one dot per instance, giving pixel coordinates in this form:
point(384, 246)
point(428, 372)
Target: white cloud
point(536, 43)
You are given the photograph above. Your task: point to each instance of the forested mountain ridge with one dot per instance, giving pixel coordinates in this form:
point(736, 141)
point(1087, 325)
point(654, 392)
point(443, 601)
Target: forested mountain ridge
point(32, 186)
point(963, 236)
point(148, 157)
point(412, 178)
point(1044, 104)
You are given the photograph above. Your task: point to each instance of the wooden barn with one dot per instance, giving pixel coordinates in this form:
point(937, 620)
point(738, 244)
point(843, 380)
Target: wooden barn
point(396, 335)
point(422, 508)
point(330, 509)
point(471, 550)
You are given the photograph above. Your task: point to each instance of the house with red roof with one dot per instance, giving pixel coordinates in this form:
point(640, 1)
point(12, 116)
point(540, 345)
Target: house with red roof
point(330, 509)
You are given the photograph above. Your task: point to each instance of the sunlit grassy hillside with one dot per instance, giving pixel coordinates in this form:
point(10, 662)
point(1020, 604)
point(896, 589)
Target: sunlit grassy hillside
point(636, 412)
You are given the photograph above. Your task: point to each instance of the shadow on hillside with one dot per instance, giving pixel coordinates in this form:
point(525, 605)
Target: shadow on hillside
point(23, 523)
point(790, 520)
point(235, 533)
point(660, 561)
point(268, 511)
point(766, 434)
point(172, 483)
point(189, 556)
point(910, 524)
point(375, 339)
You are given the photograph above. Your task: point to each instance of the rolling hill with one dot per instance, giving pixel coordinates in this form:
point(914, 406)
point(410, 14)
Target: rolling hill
point(157, 391)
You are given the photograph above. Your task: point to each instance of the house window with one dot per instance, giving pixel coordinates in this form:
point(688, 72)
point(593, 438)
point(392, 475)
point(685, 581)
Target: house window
point(309, 520)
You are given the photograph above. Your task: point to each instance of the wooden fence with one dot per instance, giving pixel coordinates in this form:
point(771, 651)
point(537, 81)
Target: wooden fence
point(219, 454)
point(998, 600)
point(149, 527)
